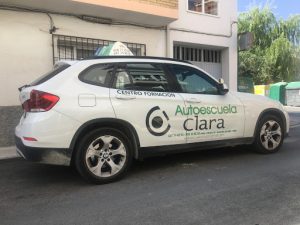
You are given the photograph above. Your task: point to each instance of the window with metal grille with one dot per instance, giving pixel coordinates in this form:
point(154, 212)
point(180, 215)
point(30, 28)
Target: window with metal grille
point(73, 48)
point(196, 54)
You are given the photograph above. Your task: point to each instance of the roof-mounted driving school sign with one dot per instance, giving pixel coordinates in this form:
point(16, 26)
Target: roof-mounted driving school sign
point(118, 48)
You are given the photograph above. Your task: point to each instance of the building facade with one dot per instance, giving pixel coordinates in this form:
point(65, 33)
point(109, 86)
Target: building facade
point(35, 34)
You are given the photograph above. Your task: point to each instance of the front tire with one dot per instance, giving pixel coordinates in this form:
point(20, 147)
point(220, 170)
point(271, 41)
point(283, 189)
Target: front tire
point(269, 135)
point(103, 156)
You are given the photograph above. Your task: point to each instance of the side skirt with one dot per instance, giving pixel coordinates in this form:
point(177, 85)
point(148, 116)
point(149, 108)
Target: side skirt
point(146, 152)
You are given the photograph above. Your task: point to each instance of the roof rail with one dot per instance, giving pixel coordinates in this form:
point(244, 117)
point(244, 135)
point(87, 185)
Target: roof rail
point(135, 57)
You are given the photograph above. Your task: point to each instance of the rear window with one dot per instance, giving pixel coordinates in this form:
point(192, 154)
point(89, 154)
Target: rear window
point(56, 70)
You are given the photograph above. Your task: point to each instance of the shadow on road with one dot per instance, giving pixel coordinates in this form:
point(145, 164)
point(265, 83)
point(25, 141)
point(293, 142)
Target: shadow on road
point(194, 157)
point(19, 170)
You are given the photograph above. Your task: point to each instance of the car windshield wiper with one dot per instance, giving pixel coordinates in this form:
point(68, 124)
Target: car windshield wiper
point(24, 86)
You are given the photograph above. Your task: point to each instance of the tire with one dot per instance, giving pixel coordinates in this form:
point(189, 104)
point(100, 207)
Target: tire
point(269, 135)
point(103, 156)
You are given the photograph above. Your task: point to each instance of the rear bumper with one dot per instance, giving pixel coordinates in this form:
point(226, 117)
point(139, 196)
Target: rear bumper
point(54, 156)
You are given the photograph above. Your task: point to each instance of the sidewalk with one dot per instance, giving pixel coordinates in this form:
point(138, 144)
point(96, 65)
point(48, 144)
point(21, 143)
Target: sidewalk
point(8, 152)
point(292, 109)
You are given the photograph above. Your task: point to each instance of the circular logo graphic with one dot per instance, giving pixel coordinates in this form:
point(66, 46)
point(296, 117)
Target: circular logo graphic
point(157, 121)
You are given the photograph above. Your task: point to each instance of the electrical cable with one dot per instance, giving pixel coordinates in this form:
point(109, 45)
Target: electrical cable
point(48, 12)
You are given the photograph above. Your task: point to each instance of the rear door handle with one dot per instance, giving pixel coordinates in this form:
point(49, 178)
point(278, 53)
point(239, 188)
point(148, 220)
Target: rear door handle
point(193, 100)
point(125, 97)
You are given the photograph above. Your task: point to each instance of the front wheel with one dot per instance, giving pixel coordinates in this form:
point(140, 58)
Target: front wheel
point(270, 134)
point(103, 156)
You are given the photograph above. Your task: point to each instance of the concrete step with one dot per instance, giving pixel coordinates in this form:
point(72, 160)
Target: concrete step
point(8, 152)
point(292, 109)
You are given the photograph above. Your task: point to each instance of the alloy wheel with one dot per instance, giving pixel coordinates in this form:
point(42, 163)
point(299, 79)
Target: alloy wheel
point(105, 156)
point(270, 135)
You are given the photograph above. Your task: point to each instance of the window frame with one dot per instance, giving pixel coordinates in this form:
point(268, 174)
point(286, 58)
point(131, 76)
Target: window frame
point(203, 10)
point(107, 82)
point(200, 73)
point(170, 80)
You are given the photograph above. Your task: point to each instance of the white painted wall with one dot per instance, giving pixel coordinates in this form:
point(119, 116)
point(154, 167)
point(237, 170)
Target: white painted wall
point(25, 49)
point(207, 31)
point(207, 23)
point(26, 45)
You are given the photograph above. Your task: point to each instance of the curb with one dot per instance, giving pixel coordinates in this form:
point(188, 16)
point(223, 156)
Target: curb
point(292, 109)
point(8, 152)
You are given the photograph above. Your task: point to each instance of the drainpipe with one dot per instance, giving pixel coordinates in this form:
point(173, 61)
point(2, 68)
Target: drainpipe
point(168, 46)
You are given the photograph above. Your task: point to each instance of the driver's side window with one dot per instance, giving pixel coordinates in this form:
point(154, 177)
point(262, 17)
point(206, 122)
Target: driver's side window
point(194, 81)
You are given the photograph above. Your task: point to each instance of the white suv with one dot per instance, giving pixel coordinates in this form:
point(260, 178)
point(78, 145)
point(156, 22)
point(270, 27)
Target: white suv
point(101, 113)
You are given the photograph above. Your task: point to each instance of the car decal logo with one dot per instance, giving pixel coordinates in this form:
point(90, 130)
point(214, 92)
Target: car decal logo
point(157, 121)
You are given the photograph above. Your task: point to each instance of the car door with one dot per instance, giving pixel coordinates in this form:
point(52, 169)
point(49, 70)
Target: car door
point(142, 94)
point(211, 115)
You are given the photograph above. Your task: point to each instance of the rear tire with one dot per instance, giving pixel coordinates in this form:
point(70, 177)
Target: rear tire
point(103, 156)
point(269, 135)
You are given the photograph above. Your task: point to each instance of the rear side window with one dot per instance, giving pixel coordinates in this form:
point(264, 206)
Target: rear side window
point(141, 76)
point(97, 74)
point(56, 70)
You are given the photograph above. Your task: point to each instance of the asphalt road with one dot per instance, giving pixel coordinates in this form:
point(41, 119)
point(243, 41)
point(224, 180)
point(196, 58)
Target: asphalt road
point(225, 186)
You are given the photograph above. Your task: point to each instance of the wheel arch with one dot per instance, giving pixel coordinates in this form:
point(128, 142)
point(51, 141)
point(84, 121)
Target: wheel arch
point(274, 112)
point(118, 124)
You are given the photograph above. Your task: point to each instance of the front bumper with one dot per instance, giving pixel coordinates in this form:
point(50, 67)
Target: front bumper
point(54, 156)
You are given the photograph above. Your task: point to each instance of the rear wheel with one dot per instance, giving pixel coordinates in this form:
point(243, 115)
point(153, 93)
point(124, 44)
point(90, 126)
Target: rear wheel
point(269, 135)
point(103, 156)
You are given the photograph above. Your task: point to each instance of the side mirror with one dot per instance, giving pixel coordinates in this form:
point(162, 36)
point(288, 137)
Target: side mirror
point(223, 89)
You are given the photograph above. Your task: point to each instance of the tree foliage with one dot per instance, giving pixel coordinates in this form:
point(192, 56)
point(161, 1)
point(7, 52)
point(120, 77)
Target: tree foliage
point(274, 55)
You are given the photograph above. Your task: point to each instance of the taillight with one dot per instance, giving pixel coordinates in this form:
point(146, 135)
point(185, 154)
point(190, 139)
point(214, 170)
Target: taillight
point(29, 139)
point(40, 101)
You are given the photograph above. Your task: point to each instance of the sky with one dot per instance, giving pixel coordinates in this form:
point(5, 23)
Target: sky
point(281, 8)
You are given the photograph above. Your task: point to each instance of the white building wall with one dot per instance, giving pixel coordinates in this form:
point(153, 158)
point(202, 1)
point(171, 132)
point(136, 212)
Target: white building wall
point(219, 25)
point(208, 31)
point(26, 45)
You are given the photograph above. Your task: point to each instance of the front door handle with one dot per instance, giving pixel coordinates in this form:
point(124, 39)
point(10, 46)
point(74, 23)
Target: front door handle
point(193, 100)
point(125, 97)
